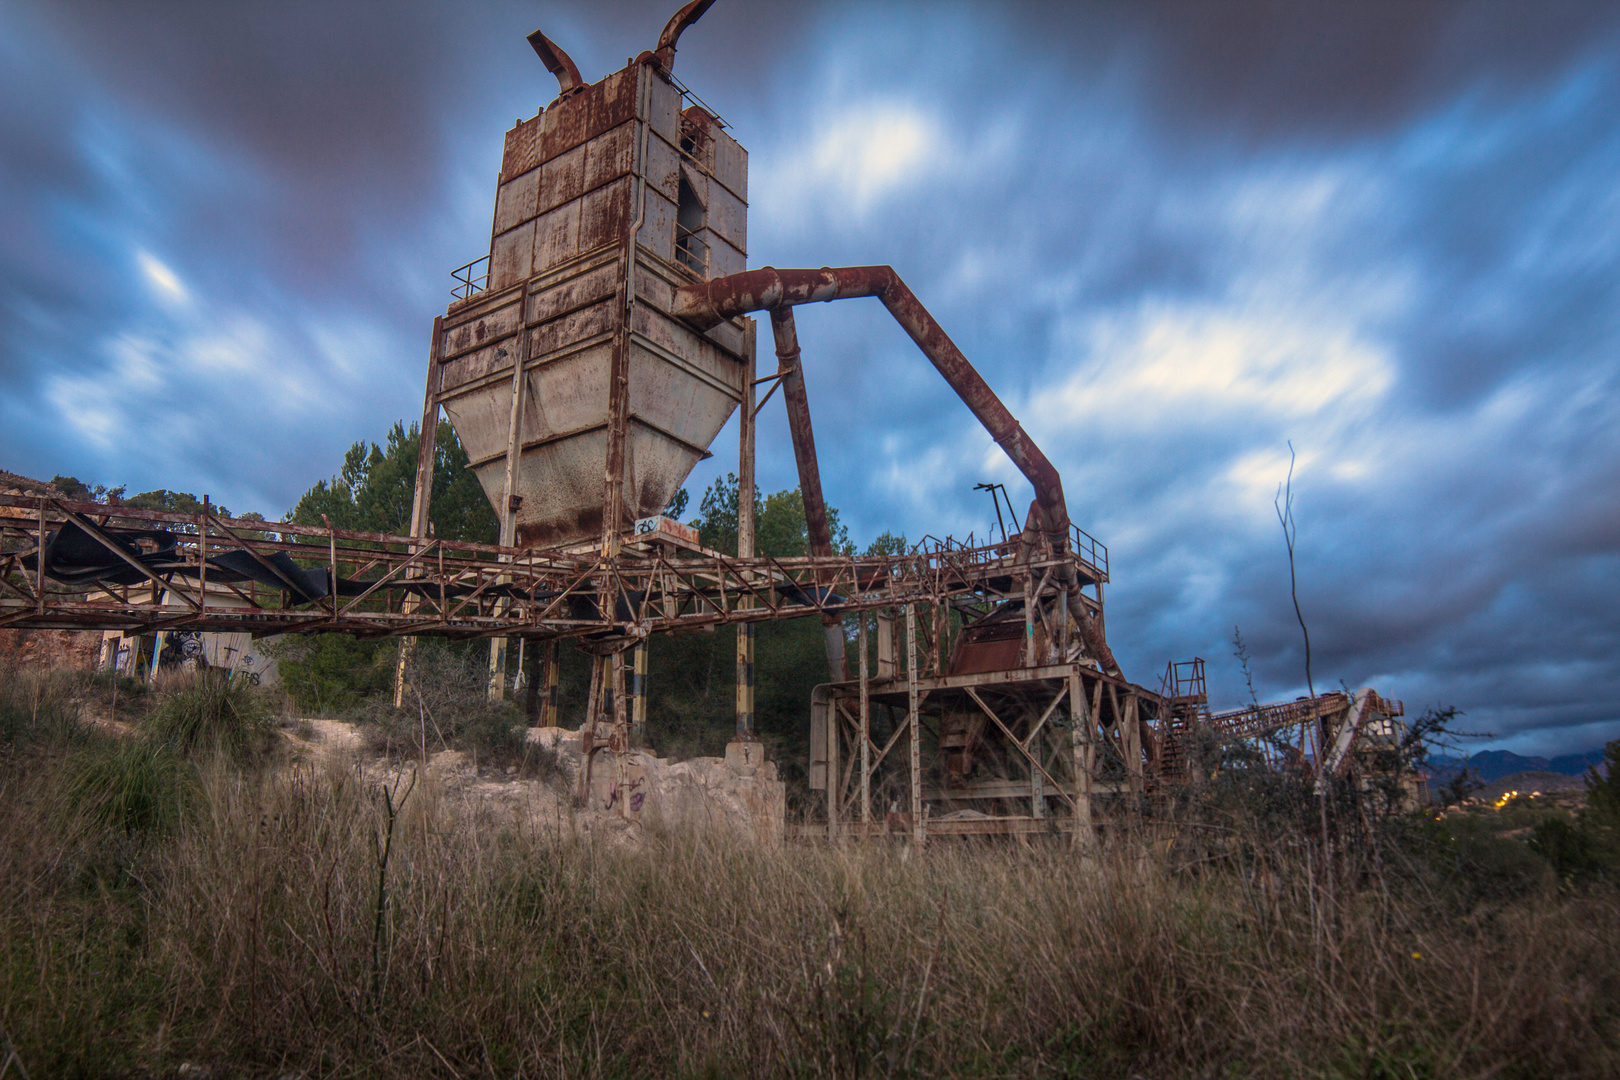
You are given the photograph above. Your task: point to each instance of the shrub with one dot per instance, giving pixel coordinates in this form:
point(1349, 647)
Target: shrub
point(211, 712)
point(330, 673)
point(131, 786)
point(1463, 857)
point(447, 707)
point(38, 707)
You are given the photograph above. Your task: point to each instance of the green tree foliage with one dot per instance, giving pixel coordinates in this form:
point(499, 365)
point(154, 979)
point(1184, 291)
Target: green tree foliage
point(375, 486)
point(1587, 849)
point(779, 523)
point(1603, 789)
point(691, 693)
point(77, 489)
point(175, 502)
point(372, 492)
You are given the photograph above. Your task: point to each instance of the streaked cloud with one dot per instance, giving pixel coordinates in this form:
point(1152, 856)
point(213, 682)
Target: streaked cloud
point(1173, 237)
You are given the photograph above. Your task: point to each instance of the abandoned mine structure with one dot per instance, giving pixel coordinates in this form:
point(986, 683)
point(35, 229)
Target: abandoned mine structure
point(587, 363)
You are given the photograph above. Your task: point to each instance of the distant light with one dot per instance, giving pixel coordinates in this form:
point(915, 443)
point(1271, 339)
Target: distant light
point(161, 278)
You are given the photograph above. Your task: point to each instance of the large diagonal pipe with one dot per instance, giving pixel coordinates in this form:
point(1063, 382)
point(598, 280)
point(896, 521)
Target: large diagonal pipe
point(817, 529)
point(706, 304)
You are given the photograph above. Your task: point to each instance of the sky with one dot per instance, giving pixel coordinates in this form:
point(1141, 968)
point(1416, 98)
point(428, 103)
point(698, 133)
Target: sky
point(1175, 237)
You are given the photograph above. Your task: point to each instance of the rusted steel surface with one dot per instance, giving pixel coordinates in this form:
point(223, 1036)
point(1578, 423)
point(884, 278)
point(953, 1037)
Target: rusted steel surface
point(709, 303)
point(619, 399)
point(686, 16)
point(455, 589)
point(817, 529)
point(799, 426)
point(558, 63)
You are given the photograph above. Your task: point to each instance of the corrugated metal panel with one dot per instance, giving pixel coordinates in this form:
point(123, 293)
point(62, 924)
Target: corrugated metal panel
point(511, 256)
point(563, 215)
point(731, 164)
point(515, 201)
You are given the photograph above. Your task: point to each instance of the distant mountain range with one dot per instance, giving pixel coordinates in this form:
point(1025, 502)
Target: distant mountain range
point(1492, 765)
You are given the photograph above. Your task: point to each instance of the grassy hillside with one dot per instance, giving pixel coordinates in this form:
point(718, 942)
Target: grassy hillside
point(177, 895)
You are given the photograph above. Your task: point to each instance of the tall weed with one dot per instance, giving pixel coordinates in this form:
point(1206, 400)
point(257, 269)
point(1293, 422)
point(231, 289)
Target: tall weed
point(209, 712)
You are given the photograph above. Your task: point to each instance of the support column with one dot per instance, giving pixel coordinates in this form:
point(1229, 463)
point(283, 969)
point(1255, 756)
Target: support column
point(886, 666)
point(919, 831)
point(1131, 738)
point(510, 501)
point(804, 453)
point(427, 445)
point(553, 676)
point(587, 730)
point(534, 678)
point(1083, 749)
point(619, 739)
point(638, 695)
point(866, 733)
point(835, 772)
point(745, 533)
point(1037, 783)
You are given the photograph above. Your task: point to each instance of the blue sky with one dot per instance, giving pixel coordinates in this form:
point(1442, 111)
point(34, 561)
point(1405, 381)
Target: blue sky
point(1173, 237)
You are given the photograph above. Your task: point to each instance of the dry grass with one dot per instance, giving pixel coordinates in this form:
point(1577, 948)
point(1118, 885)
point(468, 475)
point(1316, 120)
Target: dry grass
point(268, 934)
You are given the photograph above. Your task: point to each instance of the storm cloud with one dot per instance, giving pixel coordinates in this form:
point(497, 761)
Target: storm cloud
point(1175, 237)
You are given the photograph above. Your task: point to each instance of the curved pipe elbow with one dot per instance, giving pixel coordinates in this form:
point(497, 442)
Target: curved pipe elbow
point(558, 62)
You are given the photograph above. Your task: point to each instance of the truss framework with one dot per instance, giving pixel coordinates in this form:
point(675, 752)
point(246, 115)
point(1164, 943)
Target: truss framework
point(383, 585)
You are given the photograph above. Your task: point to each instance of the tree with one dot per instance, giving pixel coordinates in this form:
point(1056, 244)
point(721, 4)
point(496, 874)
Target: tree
point(78, 490)
point(374, 489)
point(372, 492)
point(691, 700)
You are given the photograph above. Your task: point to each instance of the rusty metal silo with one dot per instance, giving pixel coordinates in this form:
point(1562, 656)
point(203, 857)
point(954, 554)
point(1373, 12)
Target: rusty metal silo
point(582, 403)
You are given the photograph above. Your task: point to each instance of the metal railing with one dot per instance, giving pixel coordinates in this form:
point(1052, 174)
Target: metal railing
point(471, 280)
point(691, 252)
point(1090, 550)
point(283, 577)
point(687, 95)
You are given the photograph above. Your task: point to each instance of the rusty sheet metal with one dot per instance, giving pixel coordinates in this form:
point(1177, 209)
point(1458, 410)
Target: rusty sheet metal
point(708, 303)
point(620, 399)
point(804, 454)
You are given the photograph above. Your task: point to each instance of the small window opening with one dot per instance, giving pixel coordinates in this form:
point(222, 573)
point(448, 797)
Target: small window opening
point(690, 216)
point(695, 135)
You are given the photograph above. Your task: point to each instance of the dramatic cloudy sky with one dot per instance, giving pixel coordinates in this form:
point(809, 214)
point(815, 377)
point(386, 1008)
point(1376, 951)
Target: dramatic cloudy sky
point(1173, 236)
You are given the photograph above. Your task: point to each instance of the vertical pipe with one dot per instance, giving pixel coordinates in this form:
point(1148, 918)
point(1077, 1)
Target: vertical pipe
point(508, 507)
point(918, 832)
point(427, 444)
point(745, 529)
point(618, 421)
point(866, 733)
point(1029, 619)
point(1080, 745)
point(638, 695)
point(804, 454)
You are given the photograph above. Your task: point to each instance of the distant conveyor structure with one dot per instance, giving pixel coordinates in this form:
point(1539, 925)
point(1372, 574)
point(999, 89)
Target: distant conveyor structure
point(587, 364)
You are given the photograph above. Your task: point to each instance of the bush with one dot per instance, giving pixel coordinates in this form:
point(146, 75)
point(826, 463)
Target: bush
point(1462, 856)
point(447, 707)
point(210, 712)
point(38, 707)
point(131, 786)
point(1576, 852)
point(329, 673)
